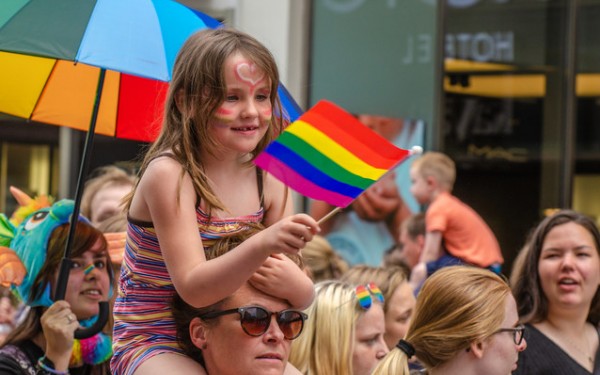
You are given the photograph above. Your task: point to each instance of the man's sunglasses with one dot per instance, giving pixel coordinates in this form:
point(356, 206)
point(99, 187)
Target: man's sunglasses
point(256, 320)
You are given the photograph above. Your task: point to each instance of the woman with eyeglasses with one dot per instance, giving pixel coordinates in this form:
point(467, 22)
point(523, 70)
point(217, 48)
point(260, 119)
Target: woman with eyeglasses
point(465, 323)
point(555, 282)
point(344, 334)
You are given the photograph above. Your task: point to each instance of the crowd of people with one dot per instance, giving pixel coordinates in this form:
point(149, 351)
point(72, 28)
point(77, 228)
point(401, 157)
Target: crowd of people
point(211, 272)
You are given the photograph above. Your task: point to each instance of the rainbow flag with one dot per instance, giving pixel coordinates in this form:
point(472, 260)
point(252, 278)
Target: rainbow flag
point(328, 155)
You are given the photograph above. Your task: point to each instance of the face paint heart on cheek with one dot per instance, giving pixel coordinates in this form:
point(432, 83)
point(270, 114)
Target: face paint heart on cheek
point(249, 73)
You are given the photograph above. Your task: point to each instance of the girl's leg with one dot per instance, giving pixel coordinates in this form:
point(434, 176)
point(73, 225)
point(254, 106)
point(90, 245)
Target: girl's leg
point(167, 363)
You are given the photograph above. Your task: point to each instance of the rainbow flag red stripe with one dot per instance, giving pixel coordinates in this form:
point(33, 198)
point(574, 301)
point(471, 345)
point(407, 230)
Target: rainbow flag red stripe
point(327, 154)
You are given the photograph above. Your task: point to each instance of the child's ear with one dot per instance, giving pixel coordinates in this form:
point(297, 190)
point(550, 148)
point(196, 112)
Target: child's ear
point(431, 181)
point(198, 333)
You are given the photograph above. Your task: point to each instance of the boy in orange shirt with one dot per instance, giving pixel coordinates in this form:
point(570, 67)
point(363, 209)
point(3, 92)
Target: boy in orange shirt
point(455, 233)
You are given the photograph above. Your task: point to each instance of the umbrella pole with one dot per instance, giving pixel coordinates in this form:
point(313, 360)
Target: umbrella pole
point(65, 266)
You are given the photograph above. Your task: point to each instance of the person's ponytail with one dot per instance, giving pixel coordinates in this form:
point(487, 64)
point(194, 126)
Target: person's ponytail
point(395, 362)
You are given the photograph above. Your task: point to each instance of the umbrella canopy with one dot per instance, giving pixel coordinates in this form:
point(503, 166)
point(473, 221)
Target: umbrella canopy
point(52, 51)
point(102, 65)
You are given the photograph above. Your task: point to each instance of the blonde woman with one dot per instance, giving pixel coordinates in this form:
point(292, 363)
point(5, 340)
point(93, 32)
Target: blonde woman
point(344, 334)
point(465, 323)
point(104, 193)
point(399, 299)
point(322, 261)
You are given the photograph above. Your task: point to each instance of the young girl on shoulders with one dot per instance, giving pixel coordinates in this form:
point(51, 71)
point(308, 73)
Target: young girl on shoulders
point(198, 184)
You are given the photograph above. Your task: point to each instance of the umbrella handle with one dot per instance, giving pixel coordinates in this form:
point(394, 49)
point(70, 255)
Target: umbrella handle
point(84, 333)
point(61, 288)
point(65, 267)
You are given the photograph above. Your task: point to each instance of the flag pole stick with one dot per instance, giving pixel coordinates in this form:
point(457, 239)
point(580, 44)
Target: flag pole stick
point(415, 150)
point(329, 215)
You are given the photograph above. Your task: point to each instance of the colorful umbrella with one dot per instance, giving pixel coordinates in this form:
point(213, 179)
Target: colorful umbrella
point(95, 65)
point(136, 41)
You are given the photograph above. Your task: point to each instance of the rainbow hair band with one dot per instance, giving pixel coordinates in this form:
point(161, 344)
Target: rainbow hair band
point(366, 293)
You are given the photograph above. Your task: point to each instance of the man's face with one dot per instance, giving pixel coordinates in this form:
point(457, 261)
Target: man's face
point(411, 248)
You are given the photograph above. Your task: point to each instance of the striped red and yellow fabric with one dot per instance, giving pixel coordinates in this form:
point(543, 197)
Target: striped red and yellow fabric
point(50, 73)
point(327, 154)
point(62, 93)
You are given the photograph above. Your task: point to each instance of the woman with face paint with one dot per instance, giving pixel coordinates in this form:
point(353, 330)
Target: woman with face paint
point(197, 184)
point(43, 343)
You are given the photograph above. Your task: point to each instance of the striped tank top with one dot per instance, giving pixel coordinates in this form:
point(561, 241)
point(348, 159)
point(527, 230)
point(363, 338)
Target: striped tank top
point(143, 321)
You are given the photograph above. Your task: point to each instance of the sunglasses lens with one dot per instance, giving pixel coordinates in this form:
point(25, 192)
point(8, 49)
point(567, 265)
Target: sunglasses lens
point(290, 323)
point(255, 321)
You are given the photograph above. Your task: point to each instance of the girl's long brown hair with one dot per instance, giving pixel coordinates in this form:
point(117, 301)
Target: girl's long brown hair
point(196, 91)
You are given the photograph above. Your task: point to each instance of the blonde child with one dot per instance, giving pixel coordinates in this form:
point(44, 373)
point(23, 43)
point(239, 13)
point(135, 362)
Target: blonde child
point(322, 261)
point(455, 233)
point(197, 183)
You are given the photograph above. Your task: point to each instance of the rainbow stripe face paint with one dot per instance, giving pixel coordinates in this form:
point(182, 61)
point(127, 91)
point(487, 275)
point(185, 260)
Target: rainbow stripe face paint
point(89, 269)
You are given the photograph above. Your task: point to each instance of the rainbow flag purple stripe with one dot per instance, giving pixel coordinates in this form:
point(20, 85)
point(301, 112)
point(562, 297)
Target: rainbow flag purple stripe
point(328, 155)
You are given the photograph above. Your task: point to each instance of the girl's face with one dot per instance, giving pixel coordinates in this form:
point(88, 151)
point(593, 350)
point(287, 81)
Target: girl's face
point(86, 289)
point(400, 310)
point(569, 267)
point(243, 118)
point(369, 345)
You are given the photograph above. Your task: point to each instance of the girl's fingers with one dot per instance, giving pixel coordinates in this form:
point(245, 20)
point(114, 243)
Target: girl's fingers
point(307, 221)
